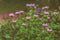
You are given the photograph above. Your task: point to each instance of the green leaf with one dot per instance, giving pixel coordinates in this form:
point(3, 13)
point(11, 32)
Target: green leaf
point(38, 38)
point(38, 35)
point(47, 38)
point(22, 29)
point(7, 36)
point(32, 28)
point(31, 32)
point(0, 38)
point(26, 30)
point(20, 39)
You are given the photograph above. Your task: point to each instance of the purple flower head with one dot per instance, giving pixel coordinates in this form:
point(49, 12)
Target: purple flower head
point(45, 24)
point(38, 9)
point(46, 12)
point(11, 14)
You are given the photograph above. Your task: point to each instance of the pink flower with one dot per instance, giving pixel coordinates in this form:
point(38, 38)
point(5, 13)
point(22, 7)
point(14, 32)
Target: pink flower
point(11, 14)
point(17, 12)
point(33, 5)
point(46, 12)
point(48, 17)
point(28, 18)
point(23, 24)
point(49, 29)
point(55, 12)
point(14, 21)
point(44, 7)
point(21, 11)
point(35, 15)
point(30, 4)
point(44, 24)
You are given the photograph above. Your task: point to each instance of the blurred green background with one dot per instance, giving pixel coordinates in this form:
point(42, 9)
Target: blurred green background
point(15, 5)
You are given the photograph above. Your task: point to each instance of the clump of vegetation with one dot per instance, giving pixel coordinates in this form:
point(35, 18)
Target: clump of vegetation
point(36, 24)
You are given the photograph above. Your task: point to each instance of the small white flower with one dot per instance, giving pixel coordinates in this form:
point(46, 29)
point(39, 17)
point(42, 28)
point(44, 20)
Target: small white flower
point(24, 24)
point(28, 17)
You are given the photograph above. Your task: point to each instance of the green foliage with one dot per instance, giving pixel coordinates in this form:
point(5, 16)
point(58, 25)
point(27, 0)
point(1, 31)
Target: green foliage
point(33, 30)
point(7, 36)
